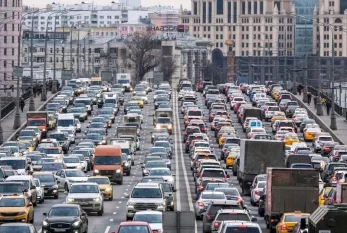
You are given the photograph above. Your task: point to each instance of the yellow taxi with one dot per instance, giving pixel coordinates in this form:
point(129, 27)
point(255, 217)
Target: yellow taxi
point(323, 194)
point(28, 145)
point(290, 138)
point(289, 220)
point(231, 157)
point(138, 100)
point(275, 95)
point(104, 184)
point(310, 133)
point(16, 209)
point(278, 116)
point(223, 136)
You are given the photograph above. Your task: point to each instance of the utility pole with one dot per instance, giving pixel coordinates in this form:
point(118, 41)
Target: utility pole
point(54, 84)
point(306, 67)
point(71, 47)
point(285, 59)
point(333, 125)
point(32, 102)
point(319, 99)
point(78, 54)
point(85, 58)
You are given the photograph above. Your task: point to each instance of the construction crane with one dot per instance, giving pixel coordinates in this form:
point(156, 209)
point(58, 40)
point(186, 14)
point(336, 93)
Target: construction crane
point(230, 60)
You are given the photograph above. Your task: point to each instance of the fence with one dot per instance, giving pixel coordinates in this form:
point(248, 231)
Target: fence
point(12, 105)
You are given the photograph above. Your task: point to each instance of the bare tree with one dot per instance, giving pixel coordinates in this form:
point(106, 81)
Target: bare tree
point(168, 67)
point(143, 51)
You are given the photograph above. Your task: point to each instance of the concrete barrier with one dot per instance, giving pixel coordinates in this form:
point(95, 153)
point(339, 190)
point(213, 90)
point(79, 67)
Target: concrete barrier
point(13, 136)
point(322, 124)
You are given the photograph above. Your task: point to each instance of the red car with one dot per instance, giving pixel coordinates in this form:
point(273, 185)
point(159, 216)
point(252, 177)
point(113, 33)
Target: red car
point(134, 227)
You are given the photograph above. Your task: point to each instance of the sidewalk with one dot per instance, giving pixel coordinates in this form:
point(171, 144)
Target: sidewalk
point(324, 120)
point(8, 121)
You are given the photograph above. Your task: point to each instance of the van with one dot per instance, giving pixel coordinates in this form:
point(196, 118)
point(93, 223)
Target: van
point(108, 162)
point(29, 186)
point(20, 164)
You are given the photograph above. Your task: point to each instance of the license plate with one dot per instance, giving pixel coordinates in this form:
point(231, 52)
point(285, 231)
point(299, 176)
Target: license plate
point(8, 219)
point(59, 230)
point(84, 203)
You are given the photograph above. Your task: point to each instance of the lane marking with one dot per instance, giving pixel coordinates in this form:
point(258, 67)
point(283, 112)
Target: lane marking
point(107, 229)
point(114, 212)
point(111, 220)
point(178, 194)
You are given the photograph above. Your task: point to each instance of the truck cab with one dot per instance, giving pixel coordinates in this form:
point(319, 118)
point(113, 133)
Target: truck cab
point(38, 119)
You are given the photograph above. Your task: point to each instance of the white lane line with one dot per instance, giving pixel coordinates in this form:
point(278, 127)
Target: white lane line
point(181, 155)
point(119, 202)
point(111, 220)
point(114, 212)
point(39, 231)
point(107, 229)
point(178, 194)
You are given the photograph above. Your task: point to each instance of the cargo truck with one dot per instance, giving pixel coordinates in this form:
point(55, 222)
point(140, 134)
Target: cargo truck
point(128, 132)
point(255, 157)
point(40, 120)
point(290, 190)
point(125, 80)
point(328, 219)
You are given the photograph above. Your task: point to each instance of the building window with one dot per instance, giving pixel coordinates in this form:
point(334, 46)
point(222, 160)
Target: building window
point(12, 63)
point(5, 51)
point(12, 39)
point(243, 8)
point(5, 39)
point(220, 7)
point(195, 8)
point(5, 63)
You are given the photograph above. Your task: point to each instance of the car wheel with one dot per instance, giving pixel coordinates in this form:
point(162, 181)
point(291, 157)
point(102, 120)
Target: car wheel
point(101, 212)
point(132, 163)
point(66, 188)
point(56, 196)
point(32, 219)
point(128, 173)
point(111, 197)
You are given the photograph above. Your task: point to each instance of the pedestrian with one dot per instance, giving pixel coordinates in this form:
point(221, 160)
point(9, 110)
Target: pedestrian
point(299, 90)
point(22, 104)
point(315, 101)
point(328, 105)
point(309, 97)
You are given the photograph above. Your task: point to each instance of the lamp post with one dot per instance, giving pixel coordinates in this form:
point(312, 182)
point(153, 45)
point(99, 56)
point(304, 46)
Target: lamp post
point(319, 99)
point(333, 125)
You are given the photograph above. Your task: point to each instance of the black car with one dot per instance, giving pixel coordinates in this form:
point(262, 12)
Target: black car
point(65, 218)
point(49, 182)
point(261, 204)
point(62, 138)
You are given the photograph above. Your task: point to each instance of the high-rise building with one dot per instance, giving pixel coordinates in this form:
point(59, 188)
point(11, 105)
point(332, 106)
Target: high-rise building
point(10, 15)
point(258, 31)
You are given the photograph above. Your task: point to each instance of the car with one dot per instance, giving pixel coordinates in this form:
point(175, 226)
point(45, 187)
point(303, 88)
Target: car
point(65, 217)
point(134, 227)
point(165, 173)
point(16, 209)
point(48, 182)
point(66, 177)
point(240, 226)
point(255, 192)
point(29, 186)
point(153, 218)
point(104, 185)
point(88, 196)
point(289, 220)
point(151, 165)
point(40, 191)
point(17, 227)
point(319, 141)
point(204, 199)
point(224, 215)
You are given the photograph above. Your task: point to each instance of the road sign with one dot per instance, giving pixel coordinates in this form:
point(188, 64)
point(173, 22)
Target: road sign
point(158, 77)
point(17, 71)
point(66, 75)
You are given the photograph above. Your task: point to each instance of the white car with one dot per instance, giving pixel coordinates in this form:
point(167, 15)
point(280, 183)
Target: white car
point(40, 191)
point(71, 134)
point(66, 177)
point(165, 173)
point(73, 162)
point(236, 100)
point(153, 218)
point(137, 112)
point(271, 111)
point(255, 193)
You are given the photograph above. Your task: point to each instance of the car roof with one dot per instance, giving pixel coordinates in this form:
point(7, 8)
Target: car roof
point(232, 211)
point(135, 223)
point(19, 177)
point(147, 185)
point(84, 183)
point(149, 212)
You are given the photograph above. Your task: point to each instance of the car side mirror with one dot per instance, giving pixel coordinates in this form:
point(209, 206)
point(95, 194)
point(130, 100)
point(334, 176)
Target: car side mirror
point(29, 204)
point(44, 214)
point(25, 190)
point(254, 219)
point(174, 190)
point(84, 214)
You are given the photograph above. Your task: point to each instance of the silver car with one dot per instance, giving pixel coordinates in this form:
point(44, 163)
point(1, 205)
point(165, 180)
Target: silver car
point(39, 190)
point(88, 196)
point(165, 173)
point(204, 199)
point(255, 192)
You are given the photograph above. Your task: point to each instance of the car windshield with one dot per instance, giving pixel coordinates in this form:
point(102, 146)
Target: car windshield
point(213, 173)
point(12, 202)
point(84, 101)
point(64, 212)
point(11, 188)
point(228, 191)
point(152, 179)
point(52, 166)
point(50, 151)
point(34, 158)
point(36, 122)
point(162, 144)
point(84, 189)
point(146, 193)
point(231, 216)
point(325, 139)
point(15, 229)
point(58, 136)
point(65, 122)
point(212, 186)
point(71, 160)
point(194, 113)
point(159, 172)
point(93, 136)
point(27, 133)
point(294, 218)
point(153, 164)
point(46, 178)
point(75, 173)
point(150, 218)
point(212, 196)
point(163, 120)
point(108, 160)
point(133, 229)
point(261, 185)
point(15, 164)
point(76, 110)
point(101, 180)
point(156, 149)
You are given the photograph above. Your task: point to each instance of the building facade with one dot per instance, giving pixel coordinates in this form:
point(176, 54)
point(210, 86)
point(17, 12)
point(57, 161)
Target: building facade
point(11, 14)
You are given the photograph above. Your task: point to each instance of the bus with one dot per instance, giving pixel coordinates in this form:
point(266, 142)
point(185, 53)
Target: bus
point(95, 81)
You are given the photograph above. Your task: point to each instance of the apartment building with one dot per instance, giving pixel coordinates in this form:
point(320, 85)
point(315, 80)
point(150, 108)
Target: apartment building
point(10, 14)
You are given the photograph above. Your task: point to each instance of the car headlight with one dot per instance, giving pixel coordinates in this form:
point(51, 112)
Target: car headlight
point(158, 127)
point(169, 126)
point(109, 189)
point(82, 115)
point(131, 203)
point(126, 164)
point(69, 199)
point(54, 186)
point(170, 179)
point(76, 224)
point(45, 223)
point(96, 171)
point(118, 171)
point(97, 199)
point(44, 130)
point(22, 212)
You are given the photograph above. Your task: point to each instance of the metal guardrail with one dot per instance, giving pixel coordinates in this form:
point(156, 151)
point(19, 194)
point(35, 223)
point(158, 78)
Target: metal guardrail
point(12, 105)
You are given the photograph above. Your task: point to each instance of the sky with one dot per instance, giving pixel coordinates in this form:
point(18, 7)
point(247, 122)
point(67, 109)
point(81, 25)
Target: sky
point(176, 3)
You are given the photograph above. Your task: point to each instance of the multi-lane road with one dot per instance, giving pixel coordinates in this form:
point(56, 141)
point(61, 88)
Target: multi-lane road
point(115, 210)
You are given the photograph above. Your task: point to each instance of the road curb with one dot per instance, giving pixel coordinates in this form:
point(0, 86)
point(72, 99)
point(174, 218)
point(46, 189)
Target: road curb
point(13, 136)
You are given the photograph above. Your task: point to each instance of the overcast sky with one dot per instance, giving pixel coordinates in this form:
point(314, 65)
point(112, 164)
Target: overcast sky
point(176, 3)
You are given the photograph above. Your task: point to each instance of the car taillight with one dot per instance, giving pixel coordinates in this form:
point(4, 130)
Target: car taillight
point(323, 198)
point(201, 188)
point(188, 142)
point(332, 200)
point(239, 199)
point(283, 227)
point(257, 192)
point(201, 204)
point(334, 179)
point(216, 224)
point(326, 148)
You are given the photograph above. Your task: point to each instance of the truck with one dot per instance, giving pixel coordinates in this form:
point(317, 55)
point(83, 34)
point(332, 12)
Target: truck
point(291, 159)
point(341, 193)
point(328, 219)
point(125, 80)
point(252, 112)
point(123, 131)
point(255, 157)
point(39, 119)
point(290, 190)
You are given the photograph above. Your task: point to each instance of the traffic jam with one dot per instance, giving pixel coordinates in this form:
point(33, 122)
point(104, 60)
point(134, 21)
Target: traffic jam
point(108, 158)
